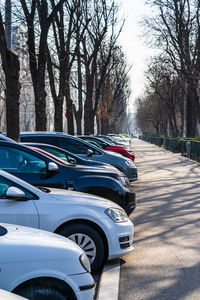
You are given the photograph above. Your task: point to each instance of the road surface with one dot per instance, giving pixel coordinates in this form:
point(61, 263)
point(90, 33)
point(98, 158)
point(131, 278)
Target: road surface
point(165, 264)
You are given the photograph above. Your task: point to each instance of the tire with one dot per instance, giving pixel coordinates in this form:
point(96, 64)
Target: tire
point(89, 240)
point(41, 293)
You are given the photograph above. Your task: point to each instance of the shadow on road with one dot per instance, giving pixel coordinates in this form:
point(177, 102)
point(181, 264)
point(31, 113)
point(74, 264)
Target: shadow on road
point(166, 260)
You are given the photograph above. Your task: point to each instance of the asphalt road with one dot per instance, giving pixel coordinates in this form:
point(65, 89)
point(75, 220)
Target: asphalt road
point(166, 261)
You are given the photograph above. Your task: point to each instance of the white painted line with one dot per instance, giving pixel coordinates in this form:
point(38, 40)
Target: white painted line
point(109, 282)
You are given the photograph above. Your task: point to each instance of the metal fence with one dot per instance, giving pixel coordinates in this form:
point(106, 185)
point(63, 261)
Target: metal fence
point(158, 141)
point(186, 147)
point(191, 149)
point(170, 144)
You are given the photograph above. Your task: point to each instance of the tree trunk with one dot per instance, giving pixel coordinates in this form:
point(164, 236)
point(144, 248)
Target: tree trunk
point(191, 110)
point(80, 94)
point(69, 106)
point(11, 67)
point(12, 95)
point(40, 108)
point(104, 126)
point(78, 117)
point(88, 118)
point(98, 124)
point(88, 111)
point(58, 116)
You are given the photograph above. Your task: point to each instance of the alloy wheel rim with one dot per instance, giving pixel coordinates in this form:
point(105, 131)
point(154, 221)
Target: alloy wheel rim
point(86, 243)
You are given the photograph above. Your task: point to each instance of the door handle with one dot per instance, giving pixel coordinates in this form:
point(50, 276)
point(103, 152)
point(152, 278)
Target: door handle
point(70, 185)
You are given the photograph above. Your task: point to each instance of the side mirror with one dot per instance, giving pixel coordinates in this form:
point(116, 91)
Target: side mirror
point(90, 152)
point(104, 146)
point(52, 167)
point(15, 193)
point(71, 160)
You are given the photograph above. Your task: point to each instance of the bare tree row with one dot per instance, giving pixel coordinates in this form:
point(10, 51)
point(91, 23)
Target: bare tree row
point(74, 44)
point(171, 103)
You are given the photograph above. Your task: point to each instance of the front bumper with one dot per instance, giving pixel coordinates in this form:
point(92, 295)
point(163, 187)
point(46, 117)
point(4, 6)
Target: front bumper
point(83, 286)
point(131, 172)
point(128, 201)
point(120, 238)
point(133, 177)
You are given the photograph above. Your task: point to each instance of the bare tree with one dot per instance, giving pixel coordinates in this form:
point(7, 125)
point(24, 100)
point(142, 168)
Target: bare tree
point(68, 30)
point(114, 95)
point(175, 28)
point(37, 43)
point(167, 84)
point(149, 117)
point(103, 19)
point(11, 67)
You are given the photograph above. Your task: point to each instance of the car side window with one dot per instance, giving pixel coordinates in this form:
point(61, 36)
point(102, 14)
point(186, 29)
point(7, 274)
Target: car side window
point(18, 161)
point(6, 183)
point(76, 147)
point(73, 146)
point(52, 140)
point(100, 143)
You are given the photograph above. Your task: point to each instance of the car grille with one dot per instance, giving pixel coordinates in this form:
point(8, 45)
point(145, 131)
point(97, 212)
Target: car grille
point(124, 242)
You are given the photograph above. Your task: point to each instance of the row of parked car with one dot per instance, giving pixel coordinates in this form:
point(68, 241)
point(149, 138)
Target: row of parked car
point(74, 198)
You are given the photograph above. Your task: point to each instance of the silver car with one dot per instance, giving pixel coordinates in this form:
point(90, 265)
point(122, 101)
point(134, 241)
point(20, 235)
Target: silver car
point(82, 149)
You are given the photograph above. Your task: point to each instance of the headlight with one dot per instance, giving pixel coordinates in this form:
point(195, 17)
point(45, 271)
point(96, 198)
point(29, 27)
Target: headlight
point(85, 262)
point(130, 163)
point(122, 180)
point(117, 215)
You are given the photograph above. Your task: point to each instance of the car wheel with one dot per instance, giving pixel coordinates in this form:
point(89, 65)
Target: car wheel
point(41, 293)
point(89, 240)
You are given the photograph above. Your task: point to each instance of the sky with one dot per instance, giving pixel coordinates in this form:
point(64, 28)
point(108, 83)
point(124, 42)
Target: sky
point(135, 50)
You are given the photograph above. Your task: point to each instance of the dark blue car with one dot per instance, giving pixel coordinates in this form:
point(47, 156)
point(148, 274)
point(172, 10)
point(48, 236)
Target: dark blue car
point(41, 170)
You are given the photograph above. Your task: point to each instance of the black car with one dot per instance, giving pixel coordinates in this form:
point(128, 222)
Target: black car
point(41, 170)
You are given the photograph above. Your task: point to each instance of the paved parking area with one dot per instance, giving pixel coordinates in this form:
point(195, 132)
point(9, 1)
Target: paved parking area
point(165, 264)
point(166, 260)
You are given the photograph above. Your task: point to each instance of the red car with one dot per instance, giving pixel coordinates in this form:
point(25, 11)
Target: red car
point(109, 147)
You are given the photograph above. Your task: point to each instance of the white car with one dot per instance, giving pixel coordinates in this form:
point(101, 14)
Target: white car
point(37, 264)
point(100, 227)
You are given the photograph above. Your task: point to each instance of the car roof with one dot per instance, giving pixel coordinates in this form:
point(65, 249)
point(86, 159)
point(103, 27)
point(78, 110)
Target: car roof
point(53, 133)
point(59, 134)
point(91, 137)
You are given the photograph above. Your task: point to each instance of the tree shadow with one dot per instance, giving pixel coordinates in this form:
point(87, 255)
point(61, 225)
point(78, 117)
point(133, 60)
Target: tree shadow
point(166, 260)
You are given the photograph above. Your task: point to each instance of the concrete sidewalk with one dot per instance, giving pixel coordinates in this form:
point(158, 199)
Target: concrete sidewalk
point(166, 260)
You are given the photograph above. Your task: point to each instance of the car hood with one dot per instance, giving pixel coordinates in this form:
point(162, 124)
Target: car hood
point(22, 234)
point(97, 171)
point(103, 166)
point(114, 153)
point(26, 245)
point(115, 147)
point(81, 198)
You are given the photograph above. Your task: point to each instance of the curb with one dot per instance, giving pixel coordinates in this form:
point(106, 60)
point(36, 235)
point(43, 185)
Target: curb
point(109, 281)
